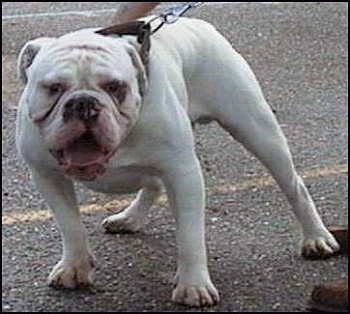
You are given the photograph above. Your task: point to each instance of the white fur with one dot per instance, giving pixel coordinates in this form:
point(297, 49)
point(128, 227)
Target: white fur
point(193, 74)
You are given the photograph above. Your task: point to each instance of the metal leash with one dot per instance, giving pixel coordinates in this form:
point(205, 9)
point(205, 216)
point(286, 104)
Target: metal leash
point(172, 15)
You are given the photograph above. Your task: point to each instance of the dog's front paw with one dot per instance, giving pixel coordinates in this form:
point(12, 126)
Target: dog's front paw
point(72, 274)
point(198, 295)
point(321, 245)
point(122, 222)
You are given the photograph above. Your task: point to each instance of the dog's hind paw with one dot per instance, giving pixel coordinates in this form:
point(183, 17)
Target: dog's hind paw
point(320, 246)
point(122, 223)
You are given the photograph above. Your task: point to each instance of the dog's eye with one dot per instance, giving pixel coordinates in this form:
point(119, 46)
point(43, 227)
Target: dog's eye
point(112, 87)
point(54, 88)
point(116, 88)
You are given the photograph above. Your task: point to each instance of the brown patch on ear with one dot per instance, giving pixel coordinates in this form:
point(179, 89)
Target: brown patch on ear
point(141, 70)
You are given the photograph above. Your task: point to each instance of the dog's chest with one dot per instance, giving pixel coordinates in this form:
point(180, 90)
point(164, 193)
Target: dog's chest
point(122, 180)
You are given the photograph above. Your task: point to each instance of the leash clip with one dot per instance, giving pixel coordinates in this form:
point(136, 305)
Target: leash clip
point(173, 14)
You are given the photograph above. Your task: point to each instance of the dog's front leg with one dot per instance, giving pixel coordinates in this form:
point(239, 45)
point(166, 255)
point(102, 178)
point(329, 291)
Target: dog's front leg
point(75, 267)
point(193, 285)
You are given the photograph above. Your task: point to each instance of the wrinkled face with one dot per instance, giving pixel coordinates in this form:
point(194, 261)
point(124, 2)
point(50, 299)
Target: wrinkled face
point(84, 98)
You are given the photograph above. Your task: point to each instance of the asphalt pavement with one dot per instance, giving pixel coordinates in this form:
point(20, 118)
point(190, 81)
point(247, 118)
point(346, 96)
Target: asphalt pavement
point(299, 53)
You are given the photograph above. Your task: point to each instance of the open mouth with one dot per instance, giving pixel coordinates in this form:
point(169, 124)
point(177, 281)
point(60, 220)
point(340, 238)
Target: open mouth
point(83, 158)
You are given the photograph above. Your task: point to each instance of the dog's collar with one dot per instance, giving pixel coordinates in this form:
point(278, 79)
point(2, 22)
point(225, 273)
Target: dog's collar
point(136, 28)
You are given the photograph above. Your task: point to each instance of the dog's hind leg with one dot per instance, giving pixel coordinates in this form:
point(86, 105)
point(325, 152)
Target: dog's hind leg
point(132, 218)
point(255, 126)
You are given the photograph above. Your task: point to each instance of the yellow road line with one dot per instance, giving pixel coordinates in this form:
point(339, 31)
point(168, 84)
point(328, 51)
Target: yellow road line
point(268, 180)
point(43, 215)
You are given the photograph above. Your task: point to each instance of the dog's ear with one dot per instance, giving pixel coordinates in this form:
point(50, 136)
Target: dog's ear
point(27, 55)
point(140, 67)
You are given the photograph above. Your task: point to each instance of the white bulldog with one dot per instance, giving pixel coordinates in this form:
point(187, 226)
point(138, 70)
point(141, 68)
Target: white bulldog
point(92, 111)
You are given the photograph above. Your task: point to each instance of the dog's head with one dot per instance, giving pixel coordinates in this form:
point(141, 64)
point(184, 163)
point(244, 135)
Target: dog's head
point(83, 92)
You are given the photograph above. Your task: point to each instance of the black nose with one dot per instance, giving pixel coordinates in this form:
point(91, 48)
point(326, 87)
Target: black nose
point(84, 108)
